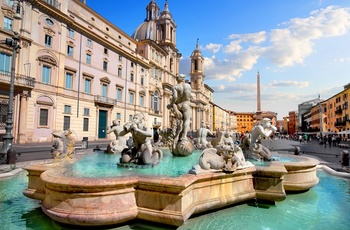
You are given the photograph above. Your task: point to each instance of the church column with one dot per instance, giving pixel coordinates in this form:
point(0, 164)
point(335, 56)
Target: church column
point(22, 138)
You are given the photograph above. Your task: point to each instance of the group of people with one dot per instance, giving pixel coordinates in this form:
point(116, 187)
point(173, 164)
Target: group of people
point(331, 140)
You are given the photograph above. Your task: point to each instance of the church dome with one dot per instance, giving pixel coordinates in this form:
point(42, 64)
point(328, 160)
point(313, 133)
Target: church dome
point(148, 29)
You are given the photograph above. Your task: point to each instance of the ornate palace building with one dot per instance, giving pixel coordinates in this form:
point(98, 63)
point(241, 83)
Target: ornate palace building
point(76, 70)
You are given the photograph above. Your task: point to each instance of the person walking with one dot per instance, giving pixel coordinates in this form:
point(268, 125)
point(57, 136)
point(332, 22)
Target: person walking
point(330, 141)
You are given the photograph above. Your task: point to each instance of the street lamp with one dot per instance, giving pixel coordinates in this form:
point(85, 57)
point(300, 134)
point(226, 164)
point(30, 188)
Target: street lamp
point(8, 138)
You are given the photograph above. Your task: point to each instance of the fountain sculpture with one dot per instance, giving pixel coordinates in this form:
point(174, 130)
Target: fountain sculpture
point(180, 121)
point(119, 143)
point(63, 145)
point(142, 153)
point(222, 178)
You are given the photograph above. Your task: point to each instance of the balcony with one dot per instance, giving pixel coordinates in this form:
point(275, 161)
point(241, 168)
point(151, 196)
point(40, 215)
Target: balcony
point(340, 124)
point(339, 111)
point(21, 81)
point(104, 101)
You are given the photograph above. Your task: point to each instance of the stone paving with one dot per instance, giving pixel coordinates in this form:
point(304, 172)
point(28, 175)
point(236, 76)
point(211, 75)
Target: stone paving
point(331, 156)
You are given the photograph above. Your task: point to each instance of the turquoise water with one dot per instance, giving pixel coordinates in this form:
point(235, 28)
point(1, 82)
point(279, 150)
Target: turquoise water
point(326, 206)
point(105, 165)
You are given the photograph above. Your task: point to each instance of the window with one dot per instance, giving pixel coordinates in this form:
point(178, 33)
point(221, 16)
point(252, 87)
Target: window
point(120, 58)
point(48, 40)
point(104, 92)
point(86, 111)
point(9, 2)
point(49, 21)
point(69, 81)
point(70, 33)
point(155, 101)
point(119, 94)
point(105, 51)
point(86, 124)
point(4, 107)
point(44, 117)
point(130, 117)
point(88, 58)
point(66, 122)
point(8, 23)
point(87, 85)
point(105, 65)
point(119, 72)
point(131, 98)
point(67, 109)
point(119, 116)
point(141, 100)
point(89, 42)
point(70, 51)
point(5, 61)
point(132, 64)
point(46, 74)
point(142, 80)
point(132, 77)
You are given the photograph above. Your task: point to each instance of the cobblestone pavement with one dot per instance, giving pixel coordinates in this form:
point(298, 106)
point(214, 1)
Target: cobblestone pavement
point(332, 156)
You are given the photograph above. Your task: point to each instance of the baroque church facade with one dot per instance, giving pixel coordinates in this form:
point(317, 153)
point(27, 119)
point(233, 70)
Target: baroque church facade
point(76, 70)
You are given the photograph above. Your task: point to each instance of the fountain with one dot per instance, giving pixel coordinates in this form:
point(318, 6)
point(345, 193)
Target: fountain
point(219, 178)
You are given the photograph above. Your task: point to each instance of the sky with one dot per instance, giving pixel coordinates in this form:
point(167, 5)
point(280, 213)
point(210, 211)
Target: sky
point(300, 48)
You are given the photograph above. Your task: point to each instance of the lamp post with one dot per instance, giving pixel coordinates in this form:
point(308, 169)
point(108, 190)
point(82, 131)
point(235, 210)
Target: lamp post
point(8, 138)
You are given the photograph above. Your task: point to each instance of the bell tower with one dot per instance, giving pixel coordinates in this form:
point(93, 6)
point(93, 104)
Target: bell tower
point(197, 72)
point(166, 27)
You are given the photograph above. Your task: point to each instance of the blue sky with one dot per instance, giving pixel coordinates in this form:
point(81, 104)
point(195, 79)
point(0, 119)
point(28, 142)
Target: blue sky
point(301, 48)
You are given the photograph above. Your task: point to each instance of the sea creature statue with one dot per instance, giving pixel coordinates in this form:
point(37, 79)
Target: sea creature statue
point(180, 107)
point(225, 157)
point(202, 134)
point(63, 145)
point(263, 129)
point(142, 152)
point(117, 145)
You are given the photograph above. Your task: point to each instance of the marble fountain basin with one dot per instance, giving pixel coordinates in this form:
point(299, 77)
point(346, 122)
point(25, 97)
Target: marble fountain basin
point(163, 199)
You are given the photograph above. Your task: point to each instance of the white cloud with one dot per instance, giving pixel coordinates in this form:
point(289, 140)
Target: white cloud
point(213, 47)
point(284, 47)
point(289, 84)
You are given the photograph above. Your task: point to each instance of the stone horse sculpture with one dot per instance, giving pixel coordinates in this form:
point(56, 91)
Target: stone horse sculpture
point(142, 153)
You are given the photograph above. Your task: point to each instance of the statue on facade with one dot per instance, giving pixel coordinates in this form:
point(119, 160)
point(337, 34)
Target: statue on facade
point(263, 129)
point(181, 109)
point(202, 134)
point(142, 152)
point(117, 145)
point(63, 145)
